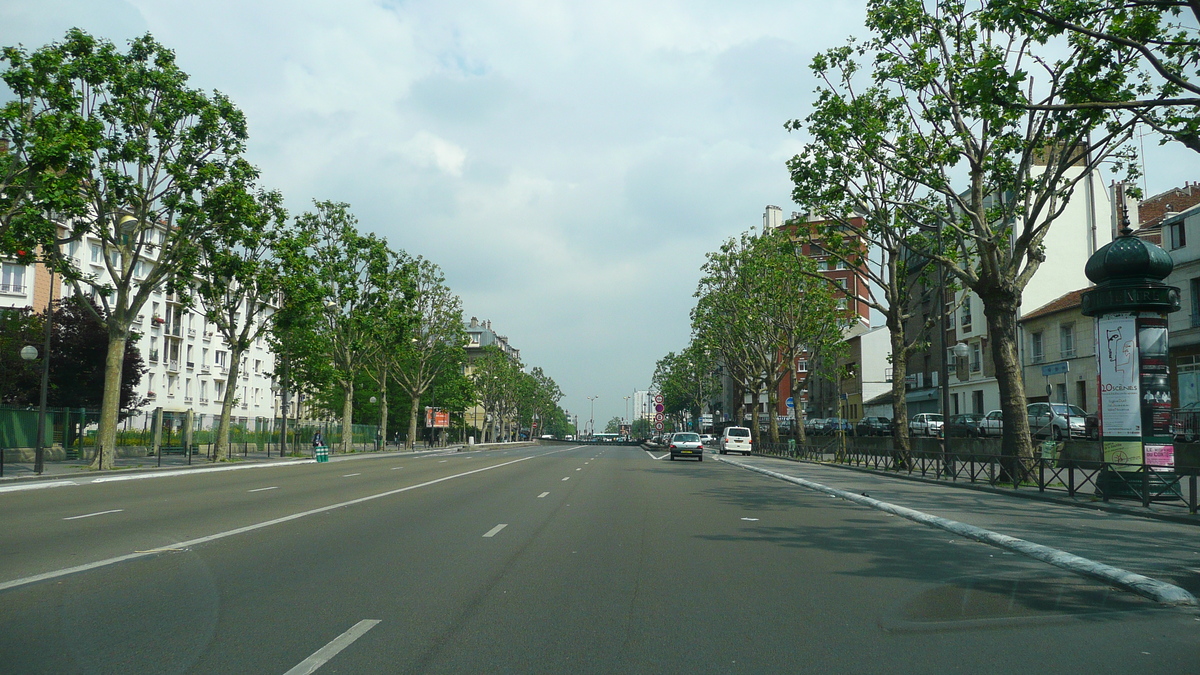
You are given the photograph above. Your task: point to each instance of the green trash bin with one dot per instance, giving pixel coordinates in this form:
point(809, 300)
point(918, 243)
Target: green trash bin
point(322, 452)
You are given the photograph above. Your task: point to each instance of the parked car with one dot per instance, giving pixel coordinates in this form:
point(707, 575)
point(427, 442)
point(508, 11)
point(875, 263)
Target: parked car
point(873, 426)
point(992, 424)
point(814, 425)
point(965, 425)
point(1057, 421)
point(686, 444)
point(834, 425)
point(925, 424)
point(735, 439)
point(707, 439)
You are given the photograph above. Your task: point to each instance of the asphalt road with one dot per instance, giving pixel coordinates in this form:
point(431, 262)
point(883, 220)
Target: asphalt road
point(536, 560)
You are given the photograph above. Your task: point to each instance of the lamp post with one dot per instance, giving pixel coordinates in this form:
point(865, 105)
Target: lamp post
point(592, 419)
point(628, 414)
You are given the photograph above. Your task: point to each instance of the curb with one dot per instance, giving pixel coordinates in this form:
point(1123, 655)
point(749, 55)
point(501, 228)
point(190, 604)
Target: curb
point(1158, 591)
point(1031, 493)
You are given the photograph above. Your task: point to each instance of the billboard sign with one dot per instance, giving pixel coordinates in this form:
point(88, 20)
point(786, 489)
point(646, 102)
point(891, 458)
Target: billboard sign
point(437, 419)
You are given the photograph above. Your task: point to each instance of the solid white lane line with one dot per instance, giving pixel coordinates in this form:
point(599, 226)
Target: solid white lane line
point(351, 474)
point(24, 581)
point(37, 486)
point(492, 532)
point(274, 487)
point(567, 478)
point(322, 655)
point(1159, 591)
point(543, 495)
point(98, 513)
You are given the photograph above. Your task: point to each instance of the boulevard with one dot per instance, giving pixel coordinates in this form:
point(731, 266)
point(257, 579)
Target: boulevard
point(553, 558)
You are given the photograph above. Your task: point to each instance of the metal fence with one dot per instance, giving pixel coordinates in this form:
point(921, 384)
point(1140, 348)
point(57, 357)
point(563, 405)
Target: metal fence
point(1070, 468)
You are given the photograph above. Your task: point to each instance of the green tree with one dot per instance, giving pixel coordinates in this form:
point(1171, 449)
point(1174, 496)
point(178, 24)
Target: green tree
point(237, 278)
point(951, 70)
point(156, 148)
point(614, 426)
point(342, 272)
point(1160, 36)
point(435, 344)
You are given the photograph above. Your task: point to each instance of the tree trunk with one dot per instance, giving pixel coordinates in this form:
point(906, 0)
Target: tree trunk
point(797, 412)
point(755, 397)
point(110, 406)
point(221, 453)
point(1000, 308)
point(901, 441)
point(410, 442)
point(772, 406)
point(348, 417)
point(383, 409)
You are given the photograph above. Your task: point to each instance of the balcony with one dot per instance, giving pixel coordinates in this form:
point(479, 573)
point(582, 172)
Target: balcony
point(12, 288)
point(203, 400)
point(1037, 358)
point(154, 356)
point(1069, 354)
point(191, 365)
point(208, 334)
point(191, 332)
point(175, 331)
point(151, 395)
point(205, 370)
point(187, 399)
point(173, 367)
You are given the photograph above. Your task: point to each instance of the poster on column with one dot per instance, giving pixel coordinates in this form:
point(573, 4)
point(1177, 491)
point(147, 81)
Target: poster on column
point(1152, 365)
point(1116, 347)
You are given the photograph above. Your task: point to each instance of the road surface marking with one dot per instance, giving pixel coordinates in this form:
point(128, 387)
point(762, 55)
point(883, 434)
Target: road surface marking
point(492, 532)
point(276, 487)
point(579, 469)
point(653, 457)
point(25, 581)
point(1147, 587)
point(567, 478)
point(543, 495)
point(322, 655)
point(98, 513)
point(351, 474)
point(396, 467)
point(443, 461)
point(749, 518)
point(37, 486)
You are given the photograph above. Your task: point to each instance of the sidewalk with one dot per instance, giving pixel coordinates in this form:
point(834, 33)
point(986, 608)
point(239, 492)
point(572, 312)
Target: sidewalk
point(1160, 549)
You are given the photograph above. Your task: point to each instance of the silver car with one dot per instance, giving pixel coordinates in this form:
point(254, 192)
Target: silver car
point(686, 444)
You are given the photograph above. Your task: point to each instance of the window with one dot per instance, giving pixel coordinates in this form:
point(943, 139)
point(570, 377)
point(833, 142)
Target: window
point(1060, 392)
point(977, 401)
point(976, 360)
point(1036, 351)
point(965, 313)
point(954, 403)
point(97, 254)
point(1178, 234)
point(1066, 340)
point(801, 365)
point(12, 278)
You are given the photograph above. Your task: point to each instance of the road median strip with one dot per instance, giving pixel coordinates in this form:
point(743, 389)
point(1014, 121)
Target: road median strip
point(1159, 591)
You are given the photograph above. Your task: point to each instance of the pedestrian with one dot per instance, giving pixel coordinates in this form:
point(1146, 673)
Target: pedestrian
point(318, 440)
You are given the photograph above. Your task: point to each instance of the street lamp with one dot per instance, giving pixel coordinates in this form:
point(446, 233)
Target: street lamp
point(592, 419)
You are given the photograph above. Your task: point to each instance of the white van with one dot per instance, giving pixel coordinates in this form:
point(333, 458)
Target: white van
point(735, 439)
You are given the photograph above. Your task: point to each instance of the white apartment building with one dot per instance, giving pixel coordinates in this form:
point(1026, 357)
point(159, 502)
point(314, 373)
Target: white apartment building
point(188, 363)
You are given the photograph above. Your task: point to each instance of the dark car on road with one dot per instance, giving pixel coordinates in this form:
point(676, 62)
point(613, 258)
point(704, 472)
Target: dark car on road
point(873, 426)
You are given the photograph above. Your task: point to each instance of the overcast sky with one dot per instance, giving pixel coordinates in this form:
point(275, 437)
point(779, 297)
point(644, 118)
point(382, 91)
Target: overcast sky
point(567, 164)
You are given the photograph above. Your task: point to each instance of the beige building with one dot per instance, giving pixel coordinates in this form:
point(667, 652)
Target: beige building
point(1059, 354)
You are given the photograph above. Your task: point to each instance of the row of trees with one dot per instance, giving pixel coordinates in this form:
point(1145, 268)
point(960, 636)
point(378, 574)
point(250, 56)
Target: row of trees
point(955, 135)
point(100, 145)
point(763, 310)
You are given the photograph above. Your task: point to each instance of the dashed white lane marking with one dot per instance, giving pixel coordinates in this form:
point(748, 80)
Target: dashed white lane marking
point(322, 655)
point(98, 513)
point(396, 467)
point(543, 495)
point(492, 532)
point(261, 489)
point(567, 478)
point(579, 469)
point(443, 461)
point(351, 474)
point(749, 518)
